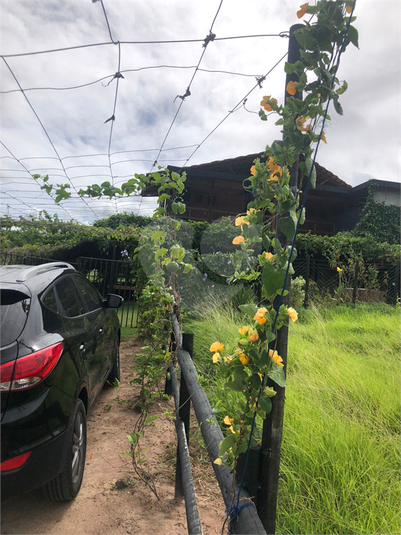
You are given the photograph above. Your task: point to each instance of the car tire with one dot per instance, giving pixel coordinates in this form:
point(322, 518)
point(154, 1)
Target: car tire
point(115, 370)
point(66, 485)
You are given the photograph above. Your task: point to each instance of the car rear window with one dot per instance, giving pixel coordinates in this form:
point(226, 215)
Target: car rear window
point(14, 310)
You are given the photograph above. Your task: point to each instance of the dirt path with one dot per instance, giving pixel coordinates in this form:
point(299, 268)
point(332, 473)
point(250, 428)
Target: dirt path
point(102, 509)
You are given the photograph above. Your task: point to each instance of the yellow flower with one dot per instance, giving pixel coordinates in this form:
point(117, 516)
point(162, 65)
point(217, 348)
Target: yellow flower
point(251, 211)
point(253, 170)
point(348, 7)
point(253, 337)
point(276, 357)
point(244, 359)
point(292, 313)
point(265, 103)
point(231, 428)
point(228, 358)
point(260, 316)
point(217, 461)
point(339, 269)
point(302, 11)
point(216, 358)
point(291, 88)
point(238, 239)
point(273, 166)
point(269, 256)
point(240, 221)
point(300, 124)
point(228, 421)
point(216, 346)
point(323, 138)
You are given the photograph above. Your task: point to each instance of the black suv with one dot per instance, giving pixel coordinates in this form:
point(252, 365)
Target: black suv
point(59, 344)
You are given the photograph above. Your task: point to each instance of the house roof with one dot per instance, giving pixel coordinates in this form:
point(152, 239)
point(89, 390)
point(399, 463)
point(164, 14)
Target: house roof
point(238, 168)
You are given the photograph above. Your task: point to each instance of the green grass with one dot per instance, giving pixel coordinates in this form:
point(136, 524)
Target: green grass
point(340, 461)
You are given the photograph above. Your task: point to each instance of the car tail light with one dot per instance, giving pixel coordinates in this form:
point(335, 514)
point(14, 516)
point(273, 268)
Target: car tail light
point(30, 370)
point(15, 462)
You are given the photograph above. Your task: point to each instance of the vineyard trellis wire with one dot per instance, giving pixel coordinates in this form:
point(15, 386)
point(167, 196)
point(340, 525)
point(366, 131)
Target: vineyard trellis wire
point(14, 199)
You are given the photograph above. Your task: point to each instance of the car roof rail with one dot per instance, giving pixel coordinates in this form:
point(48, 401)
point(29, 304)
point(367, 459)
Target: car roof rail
point(33, 271)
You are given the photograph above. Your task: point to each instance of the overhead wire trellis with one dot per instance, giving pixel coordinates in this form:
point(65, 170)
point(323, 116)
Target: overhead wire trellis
point(92, 209)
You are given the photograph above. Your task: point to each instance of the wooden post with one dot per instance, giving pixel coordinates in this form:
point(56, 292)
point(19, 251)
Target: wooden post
point(273, 424)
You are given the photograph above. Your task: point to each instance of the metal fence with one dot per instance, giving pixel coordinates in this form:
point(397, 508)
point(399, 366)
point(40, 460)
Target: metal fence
point(108, 276)
point(322, 278)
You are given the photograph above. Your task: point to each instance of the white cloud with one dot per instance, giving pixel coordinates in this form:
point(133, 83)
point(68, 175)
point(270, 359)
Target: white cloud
point(362, 143)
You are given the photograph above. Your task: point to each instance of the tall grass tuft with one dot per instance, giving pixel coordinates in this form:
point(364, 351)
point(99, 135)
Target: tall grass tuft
point(340, 465)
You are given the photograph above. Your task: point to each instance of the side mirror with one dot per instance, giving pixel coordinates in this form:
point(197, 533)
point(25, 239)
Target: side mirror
point(114, 301)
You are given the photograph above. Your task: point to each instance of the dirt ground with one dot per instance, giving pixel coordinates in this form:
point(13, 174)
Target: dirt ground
point(102, 509)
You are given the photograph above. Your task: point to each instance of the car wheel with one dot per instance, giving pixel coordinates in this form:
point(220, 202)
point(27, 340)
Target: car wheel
point(115, 370)
point(66, 485)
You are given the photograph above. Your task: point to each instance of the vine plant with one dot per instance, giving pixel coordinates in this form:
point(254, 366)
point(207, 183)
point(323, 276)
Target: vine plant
point(256, 359)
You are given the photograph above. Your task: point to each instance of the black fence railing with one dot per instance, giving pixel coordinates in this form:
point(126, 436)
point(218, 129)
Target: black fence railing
point(190, 392)
point(116, 277)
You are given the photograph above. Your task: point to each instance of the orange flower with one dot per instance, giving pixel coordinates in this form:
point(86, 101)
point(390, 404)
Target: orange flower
point(291, 88)
point(260, 316)
point(269, 256)
point(275, 357)
point(273, 178)
point(323, 138)
point(253, 170)
point(292, 313)
point(243, 329)
point(244, 359)
point(240, 221)
point(273, 166)
point(265, 103)
point(302, 11)
point(254, 337)
point(238, 239)
point(348, 7)
point(300, 124)
point(216, 346)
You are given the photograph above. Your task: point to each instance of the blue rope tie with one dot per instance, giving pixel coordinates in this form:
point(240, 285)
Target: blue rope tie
point(234, 510)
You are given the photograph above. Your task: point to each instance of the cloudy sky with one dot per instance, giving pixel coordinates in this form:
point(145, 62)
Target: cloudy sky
point(55, 104)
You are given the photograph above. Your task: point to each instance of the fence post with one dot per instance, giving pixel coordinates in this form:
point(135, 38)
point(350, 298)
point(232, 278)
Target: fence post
point(307, 278)
point(183, 412)
point(397, 282)
point(355, 289)
point(273, 423)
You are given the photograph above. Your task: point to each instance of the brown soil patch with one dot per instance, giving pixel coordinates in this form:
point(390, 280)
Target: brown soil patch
point(102, 509)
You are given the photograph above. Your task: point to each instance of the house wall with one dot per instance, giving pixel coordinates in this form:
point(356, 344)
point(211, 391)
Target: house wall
point(387, 196)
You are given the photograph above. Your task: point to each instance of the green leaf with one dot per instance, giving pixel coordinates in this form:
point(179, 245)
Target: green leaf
point(248, 309)
point(289, 68)
point(265, 403)
point(150, 419)
point(277, 375)
point(272, 279)
point(237, 386)
point(227, 443)
point(353, 36)
point(288, 225)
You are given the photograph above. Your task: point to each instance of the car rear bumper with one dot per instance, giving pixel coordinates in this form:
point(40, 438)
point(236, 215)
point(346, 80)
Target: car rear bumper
point(44, 464)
